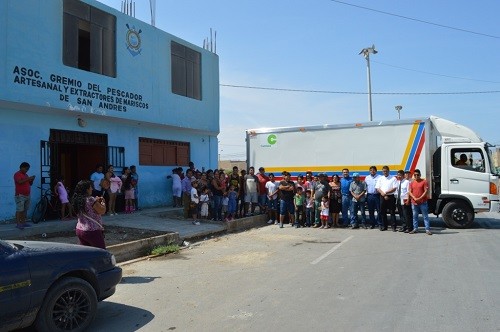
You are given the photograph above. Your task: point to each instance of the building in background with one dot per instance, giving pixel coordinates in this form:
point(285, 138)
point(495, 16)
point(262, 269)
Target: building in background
point(227, 165)
point(83, 84)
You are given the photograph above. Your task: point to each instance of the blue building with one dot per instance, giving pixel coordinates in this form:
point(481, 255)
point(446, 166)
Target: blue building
point(82, 83)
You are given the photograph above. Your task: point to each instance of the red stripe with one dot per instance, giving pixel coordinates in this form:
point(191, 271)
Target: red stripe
point(417, 153)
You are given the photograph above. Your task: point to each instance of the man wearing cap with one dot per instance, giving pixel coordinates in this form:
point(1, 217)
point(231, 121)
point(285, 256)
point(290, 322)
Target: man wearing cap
point(386, 186)
point(373, 197)
point(262, 198)
point(322, 189)
point(358, 190)
point(345, 186)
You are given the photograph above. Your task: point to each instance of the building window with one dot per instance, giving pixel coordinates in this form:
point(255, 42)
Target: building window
point(157, 152)
point(89, 38)
point(186, 71)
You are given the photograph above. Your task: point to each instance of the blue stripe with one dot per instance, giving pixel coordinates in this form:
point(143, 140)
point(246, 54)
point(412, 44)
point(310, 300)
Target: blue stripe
point(414, 147)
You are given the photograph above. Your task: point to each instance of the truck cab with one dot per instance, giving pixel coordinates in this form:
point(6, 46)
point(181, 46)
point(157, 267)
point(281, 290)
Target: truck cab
point(464, 181)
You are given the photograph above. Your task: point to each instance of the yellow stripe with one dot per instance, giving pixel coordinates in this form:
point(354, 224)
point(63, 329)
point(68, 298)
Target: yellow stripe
point(315, 169)
point(21, 284)
point(413, 134)
point(352, 168)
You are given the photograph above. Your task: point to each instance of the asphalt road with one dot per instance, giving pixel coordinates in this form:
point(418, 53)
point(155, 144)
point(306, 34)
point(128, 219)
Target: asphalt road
point(272, 279)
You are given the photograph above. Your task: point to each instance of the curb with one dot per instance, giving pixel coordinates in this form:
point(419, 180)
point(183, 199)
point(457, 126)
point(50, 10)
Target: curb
point(130, 252)
point(134, 249)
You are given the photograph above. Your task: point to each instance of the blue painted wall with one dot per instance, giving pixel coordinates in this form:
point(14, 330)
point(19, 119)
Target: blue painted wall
point(31, 53)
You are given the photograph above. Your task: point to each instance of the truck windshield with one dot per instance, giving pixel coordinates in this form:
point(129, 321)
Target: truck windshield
point(492, 150)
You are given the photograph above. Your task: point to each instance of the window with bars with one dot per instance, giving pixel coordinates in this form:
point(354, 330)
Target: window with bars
point(186, 71)
point(157, 152)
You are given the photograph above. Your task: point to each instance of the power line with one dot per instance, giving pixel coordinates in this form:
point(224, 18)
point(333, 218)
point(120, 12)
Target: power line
point(417, 20)
point(429, 73)
point(356, 93)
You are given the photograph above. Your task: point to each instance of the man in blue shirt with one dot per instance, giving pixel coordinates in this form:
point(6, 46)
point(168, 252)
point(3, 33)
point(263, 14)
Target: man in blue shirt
point(345, 185)
point(96, 179)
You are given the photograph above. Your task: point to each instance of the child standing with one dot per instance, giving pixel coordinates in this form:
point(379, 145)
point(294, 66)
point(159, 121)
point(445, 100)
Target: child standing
point(309, 201)
point(115, 184)
point(325, 212)
point(298, 201)
point(225, 203)
point(204, 199)
point(232, 196)
point(61, 192)
point(195, 200)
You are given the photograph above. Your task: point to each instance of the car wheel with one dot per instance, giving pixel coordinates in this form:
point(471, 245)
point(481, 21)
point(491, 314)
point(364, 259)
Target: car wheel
point(457, 214)
point(69, 305)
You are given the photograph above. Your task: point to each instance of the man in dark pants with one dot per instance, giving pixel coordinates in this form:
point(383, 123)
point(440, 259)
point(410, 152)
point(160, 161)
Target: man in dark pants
point(386, 186)
point(373, 197)
point(406, 213)
point(402, 189)
point(345, 189)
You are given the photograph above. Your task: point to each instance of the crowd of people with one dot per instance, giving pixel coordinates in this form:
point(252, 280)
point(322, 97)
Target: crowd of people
point(312, 200)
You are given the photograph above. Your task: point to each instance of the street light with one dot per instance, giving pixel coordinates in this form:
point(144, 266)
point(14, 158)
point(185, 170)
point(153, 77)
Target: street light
point(366, 53)
point(398, 109)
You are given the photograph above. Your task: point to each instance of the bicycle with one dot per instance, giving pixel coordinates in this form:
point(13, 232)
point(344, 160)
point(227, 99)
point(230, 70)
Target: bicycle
point(47, 200)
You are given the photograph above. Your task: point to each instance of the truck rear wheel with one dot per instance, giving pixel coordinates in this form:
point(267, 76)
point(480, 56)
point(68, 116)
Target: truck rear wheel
point(457, 214)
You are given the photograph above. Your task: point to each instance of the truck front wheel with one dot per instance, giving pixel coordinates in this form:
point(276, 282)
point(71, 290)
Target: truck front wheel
point(457, 214)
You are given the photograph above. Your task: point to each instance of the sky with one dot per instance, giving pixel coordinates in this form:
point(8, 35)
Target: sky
point(434, 58)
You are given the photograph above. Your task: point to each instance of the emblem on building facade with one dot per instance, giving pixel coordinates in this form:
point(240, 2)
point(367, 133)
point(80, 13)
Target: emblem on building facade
point(133, 40)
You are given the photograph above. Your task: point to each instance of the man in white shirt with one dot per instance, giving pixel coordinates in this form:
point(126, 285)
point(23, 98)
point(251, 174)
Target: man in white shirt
point(373, 197)
point(272, 199)
point(403, 201)
point(386, 186)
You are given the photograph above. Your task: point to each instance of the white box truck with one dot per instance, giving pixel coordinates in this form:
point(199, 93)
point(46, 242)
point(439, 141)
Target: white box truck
point(458, 189)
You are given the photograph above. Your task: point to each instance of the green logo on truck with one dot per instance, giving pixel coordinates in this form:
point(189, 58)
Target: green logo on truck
point(271, 139)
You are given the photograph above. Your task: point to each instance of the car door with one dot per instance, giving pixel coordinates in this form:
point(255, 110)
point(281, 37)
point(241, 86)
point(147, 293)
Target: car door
point(15, 290)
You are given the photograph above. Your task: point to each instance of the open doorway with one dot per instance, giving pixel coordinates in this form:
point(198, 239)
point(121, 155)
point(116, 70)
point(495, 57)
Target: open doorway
point(78, 162)
point(74, 155)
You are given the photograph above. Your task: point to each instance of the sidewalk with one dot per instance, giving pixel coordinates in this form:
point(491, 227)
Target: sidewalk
point(160, 219)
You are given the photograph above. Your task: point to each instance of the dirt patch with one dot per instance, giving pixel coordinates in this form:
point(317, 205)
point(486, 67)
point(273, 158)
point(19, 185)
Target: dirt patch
point(113, 235)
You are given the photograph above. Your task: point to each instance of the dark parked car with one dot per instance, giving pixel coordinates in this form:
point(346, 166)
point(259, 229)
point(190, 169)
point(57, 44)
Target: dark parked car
point(53, 286)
